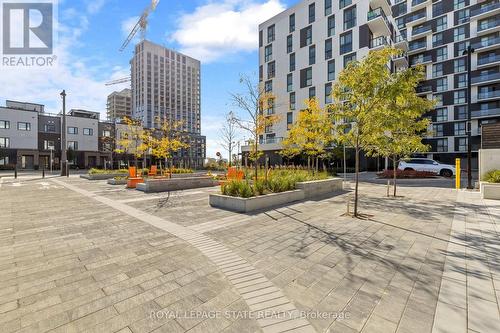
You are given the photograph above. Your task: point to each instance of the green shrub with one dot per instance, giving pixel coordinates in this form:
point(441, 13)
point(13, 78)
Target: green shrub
point(182, 171)
point(95, 171)
point(260, 187)
point(237, 189)
point(493, 176)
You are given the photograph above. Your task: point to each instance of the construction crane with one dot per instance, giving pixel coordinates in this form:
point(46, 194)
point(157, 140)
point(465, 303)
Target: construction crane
point(141, 25)
point(118, 81)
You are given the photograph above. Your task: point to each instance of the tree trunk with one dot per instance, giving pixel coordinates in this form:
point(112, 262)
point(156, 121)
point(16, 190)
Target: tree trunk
point(357, 183)
point(256, 160)
point(230, 157)
point(395, 175)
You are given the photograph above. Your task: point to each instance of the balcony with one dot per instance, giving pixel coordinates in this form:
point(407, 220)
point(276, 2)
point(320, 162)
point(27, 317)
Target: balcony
point(418, 4)
point(424, 90)
point(420, 60)
point(485, 78)
point(415, 47)
point(481, 96)
point(488, 26)
point(400, 42)
point(416, 18)
point(421, 31)
point(486, 61)
point(485, 113)
point(401, 60)
point(379, 42)
point(378, 23)
point(487, 44)
point(484, 11)
point(384, 4)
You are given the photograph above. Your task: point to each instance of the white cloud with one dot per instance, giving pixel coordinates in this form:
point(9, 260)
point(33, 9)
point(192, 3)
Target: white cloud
point(217, 29)
point(94, 6)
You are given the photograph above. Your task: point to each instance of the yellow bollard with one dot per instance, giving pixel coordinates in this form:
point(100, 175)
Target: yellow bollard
point(458, 173)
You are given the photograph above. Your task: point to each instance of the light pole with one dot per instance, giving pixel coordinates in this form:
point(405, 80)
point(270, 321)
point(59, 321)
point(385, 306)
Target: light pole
point(469, 52)
point(64, 162)
point(51, 159)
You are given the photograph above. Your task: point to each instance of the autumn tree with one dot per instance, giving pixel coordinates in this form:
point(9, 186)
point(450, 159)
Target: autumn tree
point(358, 95)
point(257, 103)
point(311, 134)
point(133, 140)
point(401, 119)
point(228, 134)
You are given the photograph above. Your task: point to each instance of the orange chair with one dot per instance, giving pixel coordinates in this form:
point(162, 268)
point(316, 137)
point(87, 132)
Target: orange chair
point(132, 172)
point(153, 171)
point(133, 180)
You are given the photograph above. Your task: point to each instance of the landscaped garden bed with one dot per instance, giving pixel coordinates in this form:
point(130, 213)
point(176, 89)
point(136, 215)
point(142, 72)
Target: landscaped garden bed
point(280, 187)
point(122, 180)
point(406, 174)
point(152, 185)
point(490, 187)
point(99, 174)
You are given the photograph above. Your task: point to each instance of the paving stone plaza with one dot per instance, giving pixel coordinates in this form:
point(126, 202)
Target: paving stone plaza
point(84, 256)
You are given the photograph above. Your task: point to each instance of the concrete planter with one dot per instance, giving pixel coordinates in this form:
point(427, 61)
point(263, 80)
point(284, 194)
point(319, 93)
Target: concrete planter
point(490, 191)
point(113, 181)
point(320, 187)
point(102, 176)
point(305, 190)
point(245, 205)
point(175, 184)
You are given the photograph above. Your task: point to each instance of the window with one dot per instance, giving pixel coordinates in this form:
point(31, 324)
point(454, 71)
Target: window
point(328, 49)
point(49, 128)
point(88, 131)
point(438, 98)
point(442, 54)
point(462, 80)
point(312, 55)
point(459, 34)
point(73, 145)
point(331, 70)
point(328, 7)
point(4, 142)
point(72, 130)
point(348, 58)
point(289, 82)
point(270, 106)
point(271, 34)
point(271, 69)
point(306, 36)
point(312, 92)
point(442, 84)
point(268, 86)
point(441, 23)
point(438, 129)
point(459, 65)
point(460, 128)
point(442, 145)
point(458, 4)
point(437, 39)
point(346, 42)
point(463, 16)
point(312, 12)
point(461, 112)
point(268, 53)
point(4, 124)
point(48, 145)
point(308, 76)
point(459, 96)
point(328, 93)
point(289, 44)
point(462, 144)
point(291, 23)
point(344, 3)
point(106, 133)
point(461, 47)
point(292, 101)
point(331, 26)
point(289, 120)
point(21, 126)
point(442, 114)
point(261, 73)
point(4, 160)
point(292, 62)
point(349, 17)
point(437, 70)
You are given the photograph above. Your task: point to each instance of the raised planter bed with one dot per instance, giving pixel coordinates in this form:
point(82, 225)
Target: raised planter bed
point(122, 181)
point(102, 176)
point(490, 190)
point(305, 190)
point(175, 184)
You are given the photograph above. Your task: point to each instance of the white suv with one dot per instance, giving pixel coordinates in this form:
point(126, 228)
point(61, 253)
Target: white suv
point(425, 164)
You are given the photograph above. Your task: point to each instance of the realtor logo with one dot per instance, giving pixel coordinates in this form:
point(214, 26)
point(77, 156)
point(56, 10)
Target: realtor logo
point(27, 28)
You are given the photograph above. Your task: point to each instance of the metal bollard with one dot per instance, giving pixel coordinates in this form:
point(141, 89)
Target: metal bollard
point(458, 174)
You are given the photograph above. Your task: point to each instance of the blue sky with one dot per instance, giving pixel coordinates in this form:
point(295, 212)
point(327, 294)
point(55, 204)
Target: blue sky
point(222, 34)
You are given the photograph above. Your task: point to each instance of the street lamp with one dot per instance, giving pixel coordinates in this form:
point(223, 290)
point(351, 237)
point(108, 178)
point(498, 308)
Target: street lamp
point(64, 162)
point(468, 52)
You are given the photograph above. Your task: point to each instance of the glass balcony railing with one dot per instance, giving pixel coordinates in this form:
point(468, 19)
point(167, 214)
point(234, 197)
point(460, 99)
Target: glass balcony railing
point(421, 60)
point(400, 39)
point(487, 42)
point(378, 12)
point(417, 2)
point(485, 9)
point(271, 140)
point(421, 29)
point(485, 113)
point(424, 89)
point(378, 41)
point(489, 24)
point(416, 46)
point(415, 17)
point(488, 60)
point(485, 78)
point(488, 94)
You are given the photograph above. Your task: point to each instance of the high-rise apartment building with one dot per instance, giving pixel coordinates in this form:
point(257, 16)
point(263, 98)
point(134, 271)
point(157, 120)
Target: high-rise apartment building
point(119, 105)
point(302, 50)
point(166, 86)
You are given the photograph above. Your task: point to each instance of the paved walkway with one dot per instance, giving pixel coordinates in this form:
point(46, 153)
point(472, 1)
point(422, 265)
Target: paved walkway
point(81, 256)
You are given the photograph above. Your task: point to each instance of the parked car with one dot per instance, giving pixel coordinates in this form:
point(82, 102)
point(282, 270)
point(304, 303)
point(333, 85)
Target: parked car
point(426, 164)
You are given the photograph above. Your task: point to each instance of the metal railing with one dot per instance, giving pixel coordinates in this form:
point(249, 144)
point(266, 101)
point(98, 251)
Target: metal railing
point(378, 12)
point(488, 94)
point(421, 29)
point(378, 41)
point(488, 60)
point(485, 77)
point(485, 8)
point(486, 42)
point(485, 113)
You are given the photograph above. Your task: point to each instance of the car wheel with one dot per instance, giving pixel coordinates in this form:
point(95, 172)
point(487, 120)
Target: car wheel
point(446, 173)
point(409, 169)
